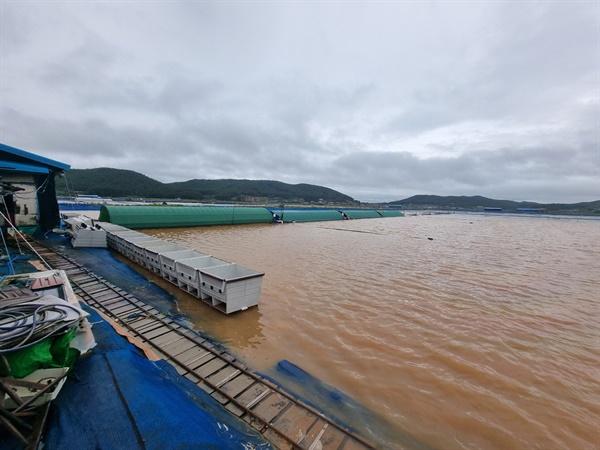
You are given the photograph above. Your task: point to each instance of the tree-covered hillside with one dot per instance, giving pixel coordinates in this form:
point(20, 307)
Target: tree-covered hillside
point(478, 202)
point(118, 183)
point(107, 182)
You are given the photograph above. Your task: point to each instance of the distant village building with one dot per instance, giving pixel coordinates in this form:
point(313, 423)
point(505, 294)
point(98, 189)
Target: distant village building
point(530, 210)
point(27, 188)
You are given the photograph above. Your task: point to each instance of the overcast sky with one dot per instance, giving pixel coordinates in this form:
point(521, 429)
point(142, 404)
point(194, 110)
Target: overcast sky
point(378, 100)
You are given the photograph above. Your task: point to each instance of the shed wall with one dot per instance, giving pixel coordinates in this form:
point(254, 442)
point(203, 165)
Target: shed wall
point(391, 213)
point(141, 217)
point(362, 213)
point(308, 215)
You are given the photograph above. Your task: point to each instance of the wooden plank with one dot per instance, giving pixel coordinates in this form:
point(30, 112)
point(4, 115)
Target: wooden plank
point(156, 332)
point(192, 335)
point(113, 303)
point(331, 438)
point(253, 394)
point(277, 440)
point(237, 384)
point(178, 347)
point(201, 359)
point(310, 440)
point(105, 297)
point(205, 387)
point(295, 422)
point(160, 354)
point(219, 397)
point(210, 367)
point(181, 370)
point(193, 378)
point(167, 338)
point(270, 406)
point(142, 323)
point(99, 290)
point(234, 409)
point(192, 355)
point(223, 376)
point(124, 311)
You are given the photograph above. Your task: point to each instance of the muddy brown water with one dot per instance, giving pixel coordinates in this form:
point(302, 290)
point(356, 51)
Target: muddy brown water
point(465, 331)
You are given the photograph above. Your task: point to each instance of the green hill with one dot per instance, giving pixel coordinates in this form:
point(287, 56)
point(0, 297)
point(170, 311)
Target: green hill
point(118, 183)
point(478, 202)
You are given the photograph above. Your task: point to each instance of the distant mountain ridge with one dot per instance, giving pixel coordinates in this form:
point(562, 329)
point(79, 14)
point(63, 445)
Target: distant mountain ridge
point(120, 183)
point(479, 202)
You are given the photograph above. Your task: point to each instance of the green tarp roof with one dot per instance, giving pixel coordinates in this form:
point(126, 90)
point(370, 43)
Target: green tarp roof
point(362, 213)
point(144, 217)
point(138, 217)
point(308, 215)
point(391, 213)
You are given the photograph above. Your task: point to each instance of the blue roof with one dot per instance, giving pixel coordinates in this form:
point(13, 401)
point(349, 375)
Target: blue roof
point(12, 158)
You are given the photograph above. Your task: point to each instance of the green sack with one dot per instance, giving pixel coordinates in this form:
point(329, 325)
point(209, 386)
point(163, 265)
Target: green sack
point(51, 352)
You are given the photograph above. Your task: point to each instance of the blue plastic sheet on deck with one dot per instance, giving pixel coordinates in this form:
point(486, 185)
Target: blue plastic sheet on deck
point(119, 399)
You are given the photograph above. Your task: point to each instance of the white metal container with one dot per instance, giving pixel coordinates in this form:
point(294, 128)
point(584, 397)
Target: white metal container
point(117, 239)
point(168, 262)
point(111, 227)
point(134, 250)
point(88, 237)
point(188, 275)
point(123, 241)
point(231, 287)
point(153, 252)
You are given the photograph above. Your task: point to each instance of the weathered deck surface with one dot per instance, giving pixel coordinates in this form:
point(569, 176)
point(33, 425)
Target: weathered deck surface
point(286, 421)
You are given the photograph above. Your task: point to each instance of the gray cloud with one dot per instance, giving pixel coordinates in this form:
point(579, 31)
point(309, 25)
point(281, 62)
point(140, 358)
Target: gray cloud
point(378, 100)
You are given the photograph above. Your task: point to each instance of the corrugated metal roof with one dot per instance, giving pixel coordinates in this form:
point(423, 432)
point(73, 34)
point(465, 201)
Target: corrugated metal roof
point(18, 167)
point(12, 158)
point(138, 217)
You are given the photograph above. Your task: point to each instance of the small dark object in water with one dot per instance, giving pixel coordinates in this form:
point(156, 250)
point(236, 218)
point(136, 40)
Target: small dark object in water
point(431, 239)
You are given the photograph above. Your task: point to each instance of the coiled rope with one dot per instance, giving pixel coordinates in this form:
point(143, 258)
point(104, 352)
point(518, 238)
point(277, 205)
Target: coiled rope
point(26, 324)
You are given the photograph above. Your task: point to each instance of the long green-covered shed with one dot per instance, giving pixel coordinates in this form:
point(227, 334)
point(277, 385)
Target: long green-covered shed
point(391, 213)
point(140, 217)
point(307, 215)
point(362, 213)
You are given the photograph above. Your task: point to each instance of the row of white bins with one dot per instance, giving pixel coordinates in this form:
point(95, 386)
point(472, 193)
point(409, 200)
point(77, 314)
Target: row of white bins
point(226, 286)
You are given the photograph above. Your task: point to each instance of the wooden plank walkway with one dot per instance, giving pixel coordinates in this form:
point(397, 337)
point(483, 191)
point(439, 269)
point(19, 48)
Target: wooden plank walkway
point(284, 420)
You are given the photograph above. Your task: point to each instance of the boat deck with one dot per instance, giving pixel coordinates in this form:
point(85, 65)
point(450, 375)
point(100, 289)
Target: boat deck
point(284, 420)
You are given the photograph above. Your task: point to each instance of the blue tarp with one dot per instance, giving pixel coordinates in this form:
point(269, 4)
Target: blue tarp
point(120, 399)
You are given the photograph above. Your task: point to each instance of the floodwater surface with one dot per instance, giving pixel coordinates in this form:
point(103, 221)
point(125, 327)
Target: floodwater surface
point(462, 331)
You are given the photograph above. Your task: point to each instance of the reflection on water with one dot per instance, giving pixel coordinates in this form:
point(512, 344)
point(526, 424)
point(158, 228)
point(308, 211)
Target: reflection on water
point(466, 331)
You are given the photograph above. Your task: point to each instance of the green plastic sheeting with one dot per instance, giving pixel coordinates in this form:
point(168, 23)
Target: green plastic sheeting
point(362, 214)
point(391, 213)
point(51, 352)
point(141, 217)
point(308, 215)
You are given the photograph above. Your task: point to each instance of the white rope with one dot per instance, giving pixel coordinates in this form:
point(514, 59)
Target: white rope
point(22, 236)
